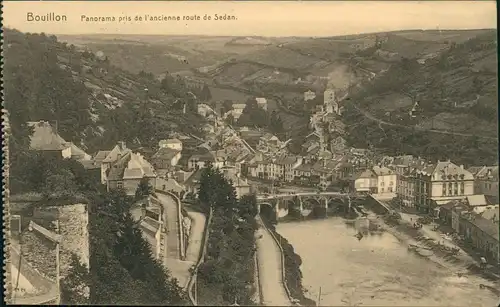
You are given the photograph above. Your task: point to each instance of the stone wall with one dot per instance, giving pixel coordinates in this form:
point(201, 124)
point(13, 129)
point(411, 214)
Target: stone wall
point(40, 253)
point(73, 227)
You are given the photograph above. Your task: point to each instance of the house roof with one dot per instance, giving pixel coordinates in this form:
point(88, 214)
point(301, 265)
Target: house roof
point(304, 167)
point(194, 179)
point(173, 141)
point(367, 173)
point(382, 171)
point(285, 159)
point(165, 153)
point(44, 137)
point(115, 153)
point(101, 155)
point(90, 164)
point(486, 172)
point(485, 225)
point(476, 200)
point(240, 106)
point(492, 214)
point(451, 204)
point(447, 168)
point(207, 157)
point(77, 151)
point(130, 166)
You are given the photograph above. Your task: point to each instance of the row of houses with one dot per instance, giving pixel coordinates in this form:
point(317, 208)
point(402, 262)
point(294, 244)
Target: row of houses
point(476, 220)
point(424, 185)
point(118, 167)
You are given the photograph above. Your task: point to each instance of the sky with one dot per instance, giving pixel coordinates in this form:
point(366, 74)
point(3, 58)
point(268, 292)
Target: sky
point(260, 18)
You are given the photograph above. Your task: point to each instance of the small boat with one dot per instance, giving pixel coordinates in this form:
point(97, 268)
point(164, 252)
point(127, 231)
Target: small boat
point(359, 235)
point(413, 247)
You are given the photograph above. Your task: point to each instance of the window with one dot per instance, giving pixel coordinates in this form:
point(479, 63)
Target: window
point(119, 184)
point(382, 184)
point(382, 190)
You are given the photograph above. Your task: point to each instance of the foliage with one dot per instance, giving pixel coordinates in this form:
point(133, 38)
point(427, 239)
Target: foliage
point(227, 105)
point(126, 272)
point(275, 123)
point(49, 80)
point(293, 274)
point(75, 286)
point(50, 174)
point(144, 189)
point(253, 115)
point(231, 245)
point(205, 94)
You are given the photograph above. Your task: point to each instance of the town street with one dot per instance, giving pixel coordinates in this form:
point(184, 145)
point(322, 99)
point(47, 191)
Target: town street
point(270, 275)
point(177, 267)
point(171, 218)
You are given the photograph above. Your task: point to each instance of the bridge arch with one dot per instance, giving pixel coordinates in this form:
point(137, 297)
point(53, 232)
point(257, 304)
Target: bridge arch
point(310, 202)
point(267, 210)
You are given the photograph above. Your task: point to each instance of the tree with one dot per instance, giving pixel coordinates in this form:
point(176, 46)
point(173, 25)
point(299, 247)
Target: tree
point(275, 123)
point(253, 115)
point(75, 286)
point(123, 270)
point(144, 189)
point(206, 95)
point(229, 119)
point(61, 183)
point(231, 243)
point(227, 106)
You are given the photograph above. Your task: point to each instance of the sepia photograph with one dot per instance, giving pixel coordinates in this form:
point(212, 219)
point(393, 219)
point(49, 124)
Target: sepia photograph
point(251, 153)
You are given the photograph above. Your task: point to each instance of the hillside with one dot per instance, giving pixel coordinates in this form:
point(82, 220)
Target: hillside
point(367, 65)
point(456, 93)
point(93, 103)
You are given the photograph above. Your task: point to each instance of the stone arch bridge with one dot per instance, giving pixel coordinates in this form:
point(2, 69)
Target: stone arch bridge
point(306, 202)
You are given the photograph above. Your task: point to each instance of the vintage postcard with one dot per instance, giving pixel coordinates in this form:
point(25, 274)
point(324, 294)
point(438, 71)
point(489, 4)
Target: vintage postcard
point(228, 153)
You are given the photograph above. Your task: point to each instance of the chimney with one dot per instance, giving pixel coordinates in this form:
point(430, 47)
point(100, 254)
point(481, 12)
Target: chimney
point(122, 145)
point(461, 166)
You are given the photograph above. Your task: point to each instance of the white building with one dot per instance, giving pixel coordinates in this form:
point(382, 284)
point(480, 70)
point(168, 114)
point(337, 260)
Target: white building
point(175, 144)
point(329, 100)
point(262, 102)
point(386, 180)
point(309, 95)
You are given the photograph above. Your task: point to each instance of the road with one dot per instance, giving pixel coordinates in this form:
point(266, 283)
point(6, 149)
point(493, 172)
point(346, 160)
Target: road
point(381, 122)
point(177, 267)
point(171, 216)
point(196, 236)
point(270, 275)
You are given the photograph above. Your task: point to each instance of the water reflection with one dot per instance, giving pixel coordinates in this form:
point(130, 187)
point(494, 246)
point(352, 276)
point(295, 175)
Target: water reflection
point(374, 270)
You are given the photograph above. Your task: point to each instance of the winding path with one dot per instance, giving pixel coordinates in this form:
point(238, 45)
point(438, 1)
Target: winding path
point(270, 269)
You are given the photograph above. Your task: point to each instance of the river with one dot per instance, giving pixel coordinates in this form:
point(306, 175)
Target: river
point(377, 270)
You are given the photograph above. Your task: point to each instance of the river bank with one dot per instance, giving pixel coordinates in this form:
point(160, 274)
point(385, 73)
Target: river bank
point(293, 274)
point(377, 268)
point(439, 248)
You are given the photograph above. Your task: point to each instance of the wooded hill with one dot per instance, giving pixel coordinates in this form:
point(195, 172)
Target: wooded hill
point(92, 103)
point(456, 93)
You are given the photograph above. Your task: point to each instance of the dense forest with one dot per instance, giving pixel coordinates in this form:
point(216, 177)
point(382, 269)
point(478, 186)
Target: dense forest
point(453, 90)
